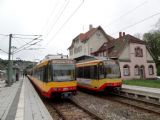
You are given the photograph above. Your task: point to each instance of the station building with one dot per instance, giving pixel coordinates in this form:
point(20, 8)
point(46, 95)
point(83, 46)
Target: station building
point(132, 54)
point(86, 43)
point(134, 57)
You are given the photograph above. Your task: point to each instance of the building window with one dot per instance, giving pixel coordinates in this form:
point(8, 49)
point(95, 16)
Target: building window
point(138, 52)
point(101, 54)
point(126, 71)
point(136, 70)
point(150, 69)
point(80, 48)
point(76, 40)
point(71, 52)
point(75, 51)
point(91, 50)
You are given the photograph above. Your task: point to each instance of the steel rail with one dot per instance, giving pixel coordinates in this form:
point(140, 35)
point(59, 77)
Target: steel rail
point(140, 104)
point(146, 108)
point(79, 106)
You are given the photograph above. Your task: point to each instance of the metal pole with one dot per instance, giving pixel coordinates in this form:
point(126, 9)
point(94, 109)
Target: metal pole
point(9, 61)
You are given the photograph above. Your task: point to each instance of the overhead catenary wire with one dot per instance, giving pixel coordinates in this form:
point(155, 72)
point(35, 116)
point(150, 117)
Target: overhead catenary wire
point(26, 35)
point(50, 16)
point(25, 47)
point(22, 38)
point(33, 48)
point(125, 14)
point(61, 13)
point(138, 22)
point(65, 22)
point(28, 43)
point(13, 36)
point(4, 35)
point(3, 51)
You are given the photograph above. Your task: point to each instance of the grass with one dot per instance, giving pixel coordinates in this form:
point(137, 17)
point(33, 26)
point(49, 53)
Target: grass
point(145, 83)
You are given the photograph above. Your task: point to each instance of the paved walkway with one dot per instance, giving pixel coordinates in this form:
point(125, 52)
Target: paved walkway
point(2, 83)
point(34, 109)
point(7, 95)
point(21, 102)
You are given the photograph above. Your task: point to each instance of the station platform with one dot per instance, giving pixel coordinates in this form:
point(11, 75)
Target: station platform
point(143, 93)
point(20, 101)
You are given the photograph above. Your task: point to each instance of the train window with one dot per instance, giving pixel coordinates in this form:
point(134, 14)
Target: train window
point(50, 73)
point(45, 77)
point(101, 72)
point(87, 72)
point(112, 70)
point(93, 72)
point(41, 74)
point(63, 72)
point(80, 72)
point(90, 72)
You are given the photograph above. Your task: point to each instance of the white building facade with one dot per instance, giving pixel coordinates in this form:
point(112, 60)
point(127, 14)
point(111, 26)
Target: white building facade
point(87, 43)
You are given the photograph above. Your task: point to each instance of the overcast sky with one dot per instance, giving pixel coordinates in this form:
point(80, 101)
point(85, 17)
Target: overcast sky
point(59, 22)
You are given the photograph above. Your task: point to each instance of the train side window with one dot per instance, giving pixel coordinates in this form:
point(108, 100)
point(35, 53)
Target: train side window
point(41, 74)
point(45, 75)
point(93, 72)
point(50, 73)
point(101, 72)
point(80, 72)
point(87, 72)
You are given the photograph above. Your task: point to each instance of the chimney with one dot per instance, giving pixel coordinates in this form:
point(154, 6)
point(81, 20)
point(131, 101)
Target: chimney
point(123, 33)
point(120, 34)
point(90, 26)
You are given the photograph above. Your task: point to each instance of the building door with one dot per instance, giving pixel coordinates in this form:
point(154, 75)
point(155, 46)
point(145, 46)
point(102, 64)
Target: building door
point(142, 72)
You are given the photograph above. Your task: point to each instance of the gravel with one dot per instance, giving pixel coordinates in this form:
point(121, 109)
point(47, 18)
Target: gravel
point(113, 110)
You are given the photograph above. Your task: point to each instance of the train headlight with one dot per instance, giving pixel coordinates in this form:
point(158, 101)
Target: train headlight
point(65, 89)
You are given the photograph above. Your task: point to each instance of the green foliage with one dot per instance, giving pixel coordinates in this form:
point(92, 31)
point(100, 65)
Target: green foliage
point(145, 83)
point(3, 64)
point(153, 43)
point(158, 70)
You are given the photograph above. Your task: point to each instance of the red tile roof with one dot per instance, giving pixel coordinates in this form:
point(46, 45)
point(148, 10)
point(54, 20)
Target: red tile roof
point(85, 36)
point(116, 46)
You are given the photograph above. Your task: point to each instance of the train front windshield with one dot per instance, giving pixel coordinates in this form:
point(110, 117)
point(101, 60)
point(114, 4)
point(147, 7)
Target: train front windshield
point(65, 72)
point(109, 70)
point(113, 71)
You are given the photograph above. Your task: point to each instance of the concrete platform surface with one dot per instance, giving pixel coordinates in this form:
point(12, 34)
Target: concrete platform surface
point(139, 88)
point(7, 95)
point(143, 93)
point(20, 101)
point(34, 108)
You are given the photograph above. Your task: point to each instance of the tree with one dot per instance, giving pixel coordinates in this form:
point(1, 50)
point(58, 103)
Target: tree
point(153, 43)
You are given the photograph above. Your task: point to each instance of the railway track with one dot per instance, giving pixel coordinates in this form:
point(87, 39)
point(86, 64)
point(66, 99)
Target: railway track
point(136, 103)
point(71, 110)
point(140, 104)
